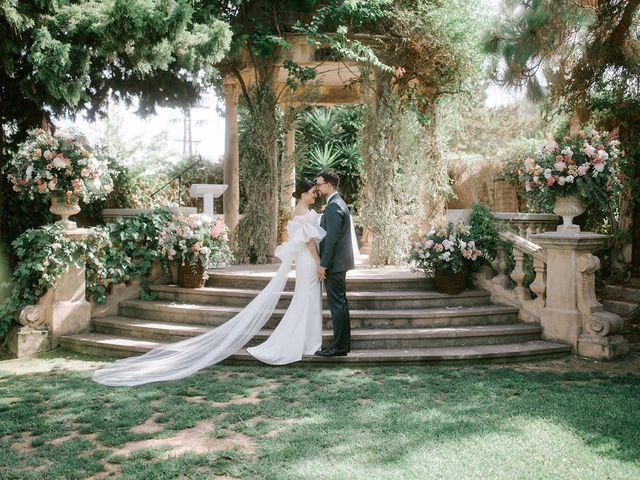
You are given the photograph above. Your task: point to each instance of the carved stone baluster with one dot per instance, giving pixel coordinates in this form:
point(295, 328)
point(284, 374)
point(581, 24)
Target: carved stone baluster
point(518, 276)
point(539, 285)
point(531, 230)
point(522, 230)
point(499, 264)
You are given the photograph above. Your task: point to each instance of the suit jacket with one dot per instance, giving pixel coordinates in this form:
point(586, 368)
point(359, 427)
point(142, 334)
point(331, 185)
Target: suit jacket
point(336, 252)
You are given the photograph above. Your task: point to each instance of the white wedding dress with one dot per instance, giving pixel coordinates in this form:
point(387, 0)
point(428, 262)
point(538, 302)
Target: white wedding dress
point(298, 333)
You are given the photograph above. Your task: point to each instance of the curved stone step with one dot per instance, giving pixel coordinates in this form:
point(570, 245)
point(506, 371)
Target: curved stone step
point(626, 293)
point(400, 318)
point(360, 338)
point(107, 345)
point(255, 277)
point(358, 300)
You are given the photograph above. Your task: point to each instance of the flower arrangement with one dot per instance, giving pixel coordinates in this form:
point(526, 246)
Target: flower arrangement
point(584, 165)
point(446, 248)
point(195, 240)
point(59, 165)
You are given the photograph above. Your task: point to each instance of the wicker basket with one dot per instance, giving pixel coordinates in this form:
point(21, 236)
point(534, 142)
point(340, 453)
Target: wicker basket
point(190, 277)
point(451, 283)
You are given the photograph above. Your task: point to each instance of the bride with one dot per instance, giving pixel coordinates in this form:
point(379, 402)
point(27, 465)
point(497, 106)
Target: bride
point(298, 333)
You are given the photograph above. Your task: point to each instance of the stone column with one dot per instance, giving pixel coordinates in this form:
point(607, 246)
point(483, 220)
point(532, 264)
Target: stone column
point(571, 313)
point(231, 199)
point(289, 170)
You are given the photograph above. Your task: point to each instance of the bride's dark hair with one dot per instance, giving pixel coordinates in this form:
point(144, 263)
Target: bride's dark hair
point(302, 186)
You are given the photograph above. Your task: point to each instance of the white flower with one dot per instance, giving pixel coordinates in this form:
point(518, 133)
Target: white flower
point(599, 167)
point(29, 172)
point(547, 173)
point(59, 163)
point(562, 181)
point(569, 179)
point(52, 184)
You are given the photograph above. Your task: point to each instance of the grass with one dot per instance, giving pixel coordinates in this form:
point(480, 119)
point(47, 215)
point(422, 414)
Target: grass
point(413, 422)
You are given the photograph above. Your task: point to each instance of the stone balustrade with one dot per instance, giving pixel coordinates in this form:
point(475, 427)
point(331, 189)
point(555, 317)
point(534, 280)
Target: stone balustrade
point(563, 288)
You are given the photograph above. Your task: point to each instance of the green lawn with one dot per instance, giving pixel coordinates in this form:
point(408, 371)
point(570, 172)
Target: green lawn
point(413, 422)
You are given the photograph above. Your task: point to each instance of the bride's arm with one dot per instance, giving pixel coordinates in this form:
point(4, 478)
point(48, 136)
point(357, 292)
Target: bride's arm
point(313, 247)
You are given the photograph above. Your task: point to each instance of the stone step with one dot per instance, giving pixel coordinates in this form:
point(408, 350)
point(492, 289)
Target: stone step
point(108, 345)
point(365, 279)
point(401, 318)
point(619, 307)
point(358, 300)
point(622, 292)
point(361, 339)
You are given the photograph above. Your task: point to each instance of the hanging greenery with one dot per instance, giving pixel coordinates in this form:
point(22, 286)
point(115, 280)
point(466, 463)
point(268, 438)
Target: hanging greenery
point(259, 158)
point(405, 181)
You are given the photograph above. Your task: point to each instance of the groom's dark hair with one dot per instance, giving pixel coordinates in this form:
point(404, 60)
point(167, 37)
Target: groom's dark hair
point(330, 176)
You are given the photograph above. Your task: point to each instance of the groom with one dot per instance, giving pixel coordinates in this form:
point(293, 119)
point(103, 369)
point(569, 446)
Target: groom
point(336, 257)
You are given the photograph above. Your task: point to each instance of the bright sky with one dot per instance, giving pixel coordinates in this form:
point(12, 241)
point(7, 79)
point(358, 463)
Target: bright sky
point(208, 125)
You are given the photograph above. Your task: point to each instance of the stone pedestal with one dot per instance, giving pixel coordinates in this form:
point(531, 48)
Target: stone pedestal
point(68, 311)
point(26, 341)
point(207, 191)
point(572, 313)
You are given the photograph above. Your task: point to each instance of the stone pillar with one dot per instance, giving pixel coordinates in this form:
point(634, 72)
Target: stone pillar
point(231, 197)
point(571, 313)
point(289, 170)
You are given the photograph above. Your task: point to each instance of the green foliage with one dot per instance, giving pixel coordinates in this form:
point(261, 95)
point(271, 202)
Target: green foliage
point(115, 253)
point(259, 134)
point(403, 175)
point(485, 228)
point(128, 250)
point(327, 139)
point(44, 254)
point(574, 46)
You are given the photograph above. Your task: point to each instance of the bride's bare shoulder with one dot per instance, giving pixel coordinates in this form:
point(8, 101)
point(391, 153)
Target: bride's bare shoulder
point(298, 212)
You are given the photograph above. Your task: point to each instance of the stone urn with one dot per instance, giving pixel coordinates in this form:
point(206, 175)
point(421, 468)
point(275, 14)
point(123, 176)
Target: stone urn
point(568, 207)
point(65, 206)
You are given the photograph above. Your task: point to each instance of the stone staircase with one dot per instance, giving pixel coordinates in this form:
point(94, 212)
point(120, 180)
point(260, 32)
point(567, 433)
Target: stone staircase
point(396, 316)
point(622, 299)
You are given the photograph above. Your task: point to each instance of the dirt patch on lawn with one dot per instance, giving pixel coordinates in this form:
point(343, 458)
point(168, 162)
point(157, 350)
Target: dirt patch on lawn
point(24, 445)
point(149, 426)
point(194, 440)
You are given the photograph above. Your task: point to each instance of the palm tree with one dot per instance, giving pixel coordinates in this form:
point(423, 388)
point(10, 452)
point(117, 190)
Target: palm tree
point(328, 142)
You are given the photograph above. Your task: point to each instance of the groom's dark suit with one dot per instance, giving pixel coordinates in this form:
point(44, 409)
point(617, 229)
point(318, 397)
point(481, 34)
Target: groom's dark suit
point(336, 255)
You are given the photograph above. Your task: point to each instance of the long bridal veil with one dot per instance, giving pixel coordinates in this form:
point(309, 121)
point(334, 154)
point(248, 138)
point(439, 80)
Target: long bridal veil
point(181, 359)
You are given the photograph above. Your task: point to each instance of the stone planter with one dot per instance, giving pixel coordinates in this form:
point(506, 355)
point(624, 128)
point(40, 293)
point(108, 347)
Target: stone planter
point(568, 208)
point(65, 207)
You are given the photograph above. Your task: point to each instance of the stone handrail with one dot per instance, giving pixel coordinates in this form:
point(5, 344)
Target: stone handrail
point(527, 224)
point(500, 285)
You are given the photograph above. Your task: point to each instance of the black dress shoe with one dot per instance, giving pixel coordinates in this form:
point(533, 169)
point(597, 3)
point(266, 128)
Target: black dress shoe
point(332, 352)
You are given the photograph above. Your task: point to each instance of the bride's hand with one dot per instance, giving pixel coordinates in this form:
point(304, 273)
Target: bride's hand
point(322, 273)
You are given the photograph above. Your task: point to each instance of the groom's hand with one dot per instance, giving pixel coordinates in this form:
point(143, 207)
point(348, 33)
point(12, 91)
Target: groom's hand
point(322, 273)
